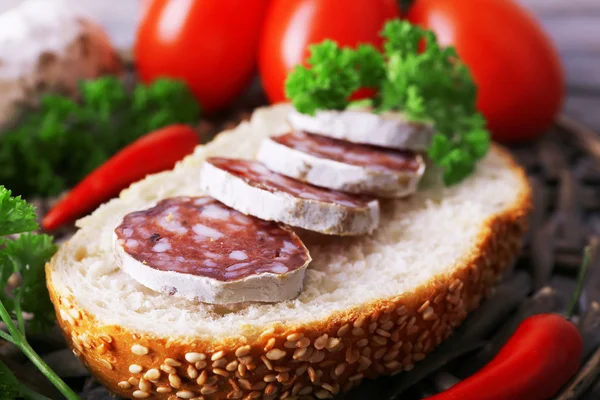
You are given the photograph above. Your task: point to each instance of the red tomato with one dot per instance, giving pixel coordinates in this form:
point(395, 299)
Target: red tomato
point(292, 25)
point(210, 44)
point(517, 69)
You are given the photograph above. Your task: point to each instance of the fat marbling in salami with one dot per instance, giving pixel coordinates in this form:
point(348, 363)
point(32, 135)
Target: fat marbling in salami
point(341, 165)
point(198, 248)
point(251, 188)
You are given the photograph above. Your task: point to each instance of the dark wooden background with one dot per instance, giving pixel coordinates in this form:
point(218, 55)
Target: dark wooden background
point(574, 25)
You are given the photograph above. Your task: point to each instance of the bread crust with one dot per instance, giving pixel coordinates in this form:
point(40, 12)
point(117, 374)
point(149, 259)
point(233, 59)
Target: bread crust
point(312, 360)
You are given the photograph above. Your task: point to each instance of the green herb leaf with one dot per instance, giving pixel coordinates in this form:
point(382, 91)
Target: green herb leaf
point(55, 146)
point(29, 254)
point(328, 84)
point(16, 215)
point(10, 387)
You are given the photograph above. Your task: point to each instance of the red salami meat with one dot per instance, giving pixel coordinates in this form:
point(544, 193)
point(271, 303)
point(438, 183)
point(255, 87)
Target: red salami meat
point(257, 175)
point(351, 153)
point(203, 237)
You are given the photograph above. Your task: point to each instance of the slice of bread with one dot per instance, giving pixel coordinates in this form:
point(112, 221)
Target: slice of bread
point(371, 305)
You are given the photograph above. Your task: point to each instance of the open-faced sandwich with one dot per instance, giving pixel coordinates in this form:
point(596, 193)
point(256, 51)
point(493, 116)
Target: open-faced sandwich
point(306, 249)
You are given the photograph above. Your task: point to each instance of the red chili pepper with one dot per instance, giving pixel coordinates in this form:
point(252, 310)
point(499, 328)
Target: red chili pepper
point(154, 152)
point(542, 355)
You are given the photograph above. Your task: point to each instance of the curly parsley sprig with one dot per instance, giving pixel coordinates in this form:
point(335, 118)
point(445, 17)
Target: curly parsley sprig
point(25, 255)
point(414, 76)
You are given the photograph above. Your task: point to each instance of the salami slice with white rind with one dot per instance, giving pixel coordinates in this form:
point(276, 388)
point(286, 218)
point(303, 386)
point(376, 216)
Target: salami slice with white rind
point(389, 129)
point(198, 248)
point(251, 188)
point(344, 166)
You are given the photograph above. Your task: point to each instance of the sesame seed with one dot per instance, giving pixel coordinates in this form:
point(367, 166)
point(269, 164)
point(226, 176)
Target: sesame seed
point(356, 377)
point(304, 342)
point(296, 388)
point(363, 363)
point(423, 336)
point(133, 381)
point(138, 394)
point(359, 321)
point(245, 384)
point(195, 357)
point(301, 369)
point(106, 364)
point(321, 342)
point(362, 342)
point(200, 364)
point(391, 355)
point(242, 351)
point(139, 350)
point(379, 353)
point(409, 367)
point(250, 366)
point(280, 368)
point(135, 368)
point(145, 386)
point(393, 365)
point(317, 357)
point(383, 333)
point(275, 354)
point(339, 370)
point(372, 327)
point(294, 337)
point(352, 356)
point(185, 394)
point(387, 325)
point(418, 356)
point(245, 360)
point(283, 377)
point(241, 369)
point(366, 352)
point(234, 395)
point(220, 363)
point(173, 363)
point(289, 345)
point(253, 395)
point(401, 320)
point(322, 394)
point(358, 332)
point(299, 353)
point(168, 369)
point(270, 344)
point(209, 390)
point(106, 338)
point(175, 381)
point(202, 378)
point(259, 385)
point(192, 372)
point(454, 285)
point(305, 391)
point(429, 314)
point(152, 374)
point(218, 355)
point(163, 389)
point(411, 330)
point(270, 378)
point(124, 385)
point(269, 331)
point(343, 330)
point(270, 389)
point(219, 371)
point(312, 374)
point(379, 340)
point(267, 363)
point(386, 317)
point(232, 366)
point(332, 343)
point(329, 388)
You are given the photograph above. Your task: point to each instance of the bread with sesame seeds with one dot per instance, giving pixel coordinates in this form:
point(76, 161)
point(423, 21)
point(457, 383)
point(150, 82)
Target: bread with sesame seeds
point(371, 305)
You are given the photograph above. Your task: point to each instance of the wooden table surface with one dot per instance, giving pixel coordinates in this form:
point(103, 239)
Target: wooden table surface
point(573, 24)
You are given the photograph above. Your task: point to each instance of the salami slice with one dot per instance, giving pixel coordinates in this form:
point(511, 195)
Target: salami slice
point(389, 129)
point(198, 248)
point(250, 187)
point(341, 165)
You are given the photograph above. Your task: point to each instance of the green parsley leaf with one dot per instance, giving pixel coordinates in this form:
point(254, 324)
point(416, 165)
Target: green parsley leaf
point(16, 215)
point(10, 387)
point(370, 65)
point(328, 83)
point(54, 146)
point(28, 255)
